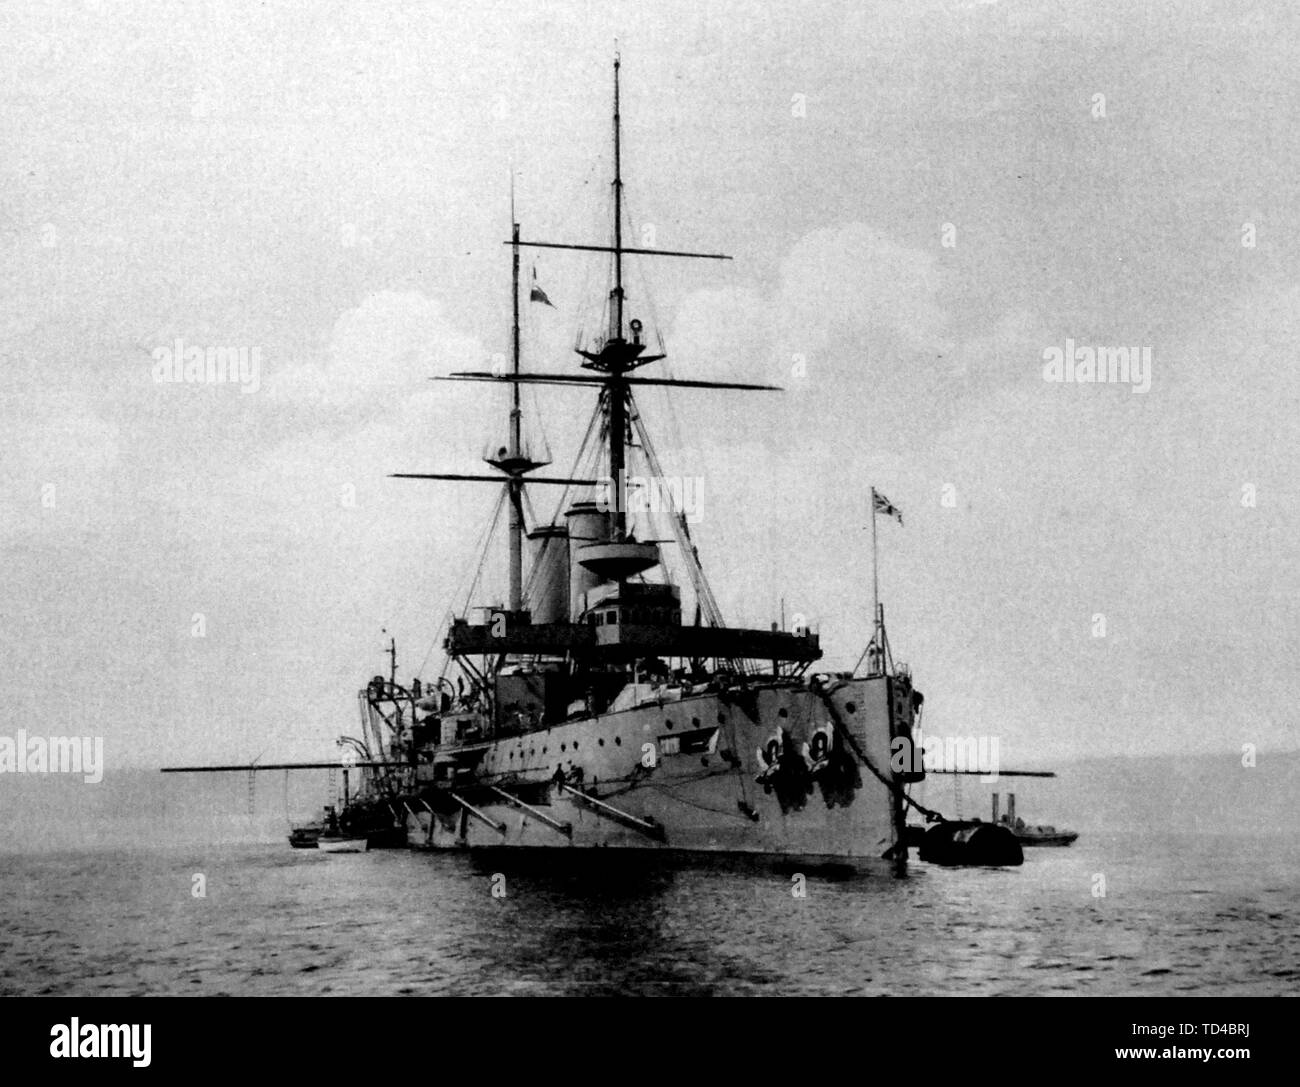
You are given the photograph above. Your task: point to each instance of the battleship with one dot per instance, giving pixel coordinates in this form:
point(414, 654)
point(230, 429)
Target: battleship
point(589, 712)
point(604, 703)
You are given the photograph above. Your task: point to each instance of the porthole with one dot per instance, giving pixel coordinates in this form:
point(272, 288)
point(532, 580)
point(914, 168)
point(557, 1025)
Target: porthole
point(562, 747)
point(601, 741)
point(695, 722)
point(668, 724)
point(851, 707)
point(783, 712)
point(618, 742)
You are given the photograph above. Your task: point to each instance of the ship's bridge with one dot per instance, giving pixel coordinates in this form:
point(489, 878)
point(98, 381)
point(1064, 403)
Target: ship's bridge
point(633, 604)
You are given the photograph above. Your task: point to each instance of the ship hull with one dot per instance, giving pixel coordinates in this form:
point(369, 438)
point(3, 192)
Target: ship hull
point(721, 773)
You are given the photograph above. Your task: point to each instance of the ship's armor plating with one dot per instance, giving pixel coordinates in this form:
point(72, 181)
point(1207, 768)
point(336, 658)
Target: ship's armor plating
point(775, 765)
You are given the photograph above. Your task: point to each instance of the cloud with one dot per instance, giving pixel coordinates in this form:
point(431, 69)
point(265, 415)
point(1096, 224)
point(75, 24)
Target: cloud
point(384, 349)
point(845, 296)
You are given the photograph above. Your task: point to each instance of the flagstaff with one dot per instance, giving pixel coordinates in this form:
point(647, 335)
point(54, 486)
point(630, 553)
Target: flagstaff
point(876, 649)
point(875, 577)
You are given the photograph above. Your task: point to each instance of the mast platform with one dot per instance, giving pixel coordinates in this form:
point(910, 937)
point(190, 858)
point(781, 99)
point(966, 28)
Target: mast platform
point(622, 642)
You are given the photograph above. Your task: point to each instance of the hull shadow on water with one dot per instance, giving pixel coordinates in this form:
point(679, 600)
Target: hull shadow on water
point(597, 922)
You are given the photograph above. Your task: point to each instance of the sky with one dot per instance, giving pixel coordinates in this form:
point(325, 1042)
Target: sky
point(923, 201)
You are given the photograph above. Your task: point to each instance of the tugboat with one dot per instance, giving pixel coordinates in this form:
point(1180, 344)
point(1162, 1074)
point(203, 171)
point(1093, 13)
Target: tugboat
point(306, 836)
point(371, 820)
point(1026, 834)
point(336, 839)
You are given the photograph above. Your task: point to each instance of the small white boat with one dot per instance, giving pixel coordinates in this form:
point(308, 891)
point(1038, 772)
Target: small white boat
point(328, 843)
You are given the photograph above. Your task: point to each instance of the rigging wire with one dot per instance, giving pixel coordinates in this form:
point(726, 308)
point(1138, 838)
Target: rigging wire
point(482, 561)
point(690, 554)
point(479, 546)
point(579, 461)
point(486, 539)
point(705, 599)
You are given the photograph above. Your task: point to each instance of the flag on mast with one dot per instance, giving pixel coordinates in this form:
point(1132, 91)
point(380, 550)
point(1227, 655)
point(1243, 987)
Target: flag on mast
point(537, 294)
point(885, 506)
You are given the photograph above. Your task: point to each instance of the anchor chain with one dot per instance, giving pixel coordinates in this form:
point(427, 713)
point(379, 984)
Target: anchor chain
point(931, 816)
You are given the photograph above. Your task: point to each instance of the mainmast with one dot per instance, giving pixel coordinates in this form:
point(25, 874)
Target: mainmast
point(617, 391)
point(616, 332)
point(515, 486)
